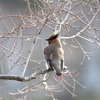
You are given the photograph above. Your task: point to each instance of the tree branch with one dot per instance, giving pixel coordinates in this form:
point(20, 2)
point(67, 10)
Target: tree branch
point(22, 78)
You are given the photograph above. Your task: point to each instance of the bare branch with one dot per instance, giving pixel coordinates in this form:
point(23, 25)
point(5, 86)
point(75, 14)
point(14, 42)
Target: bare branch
point(22, 78)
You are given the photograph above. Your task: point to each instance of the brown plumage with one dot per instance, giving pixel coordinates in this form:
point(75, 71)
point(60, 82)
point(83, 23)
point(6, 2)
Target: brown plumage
point(54, 53)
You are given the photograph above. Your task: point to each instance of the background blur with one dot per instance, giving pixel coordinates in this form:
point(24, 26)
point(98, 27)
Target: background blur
point(89, 70)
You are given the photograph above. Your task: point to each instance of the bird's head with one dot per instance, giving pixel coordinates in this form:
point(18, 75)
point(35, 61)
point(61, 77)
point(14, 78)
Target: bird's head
point(53, 37)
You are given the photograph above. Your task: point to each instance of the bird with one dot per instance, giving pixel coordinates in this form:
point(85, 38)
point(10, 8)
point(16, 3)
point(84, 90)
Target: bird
point(54, 54)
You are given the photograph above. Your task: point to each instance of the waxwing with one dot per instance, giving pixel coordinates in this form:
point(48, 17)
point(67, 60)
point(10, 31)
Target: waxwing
point(54, 53)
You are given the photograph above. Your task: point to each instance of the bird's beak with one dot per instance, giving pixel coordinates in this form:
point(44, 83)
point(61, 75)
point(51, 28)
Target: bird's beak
point(47, 39)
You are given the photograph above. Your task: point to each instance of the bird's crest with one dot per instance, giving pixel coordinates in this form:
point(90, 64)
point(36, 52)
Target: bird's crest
point(53, 36)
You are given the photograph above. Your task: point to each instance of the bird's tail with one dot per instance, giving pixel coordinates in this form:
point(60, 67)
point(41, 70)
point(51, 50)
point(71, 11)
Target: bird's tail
point(59, 74)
